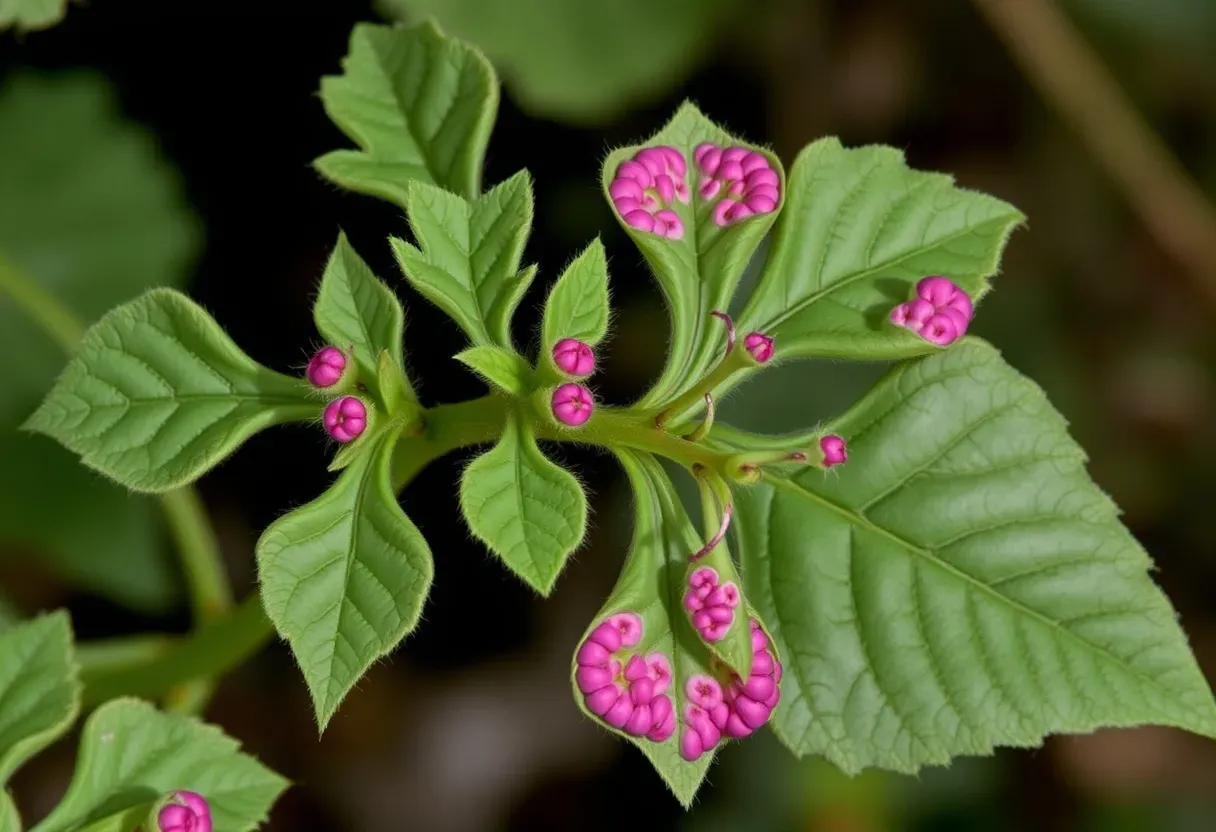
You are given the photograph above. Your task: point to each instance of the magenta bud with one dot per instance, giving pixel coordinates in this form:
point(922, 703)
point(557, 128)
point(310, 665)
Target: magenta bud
point(736, 728)
point(184, 812)
point(619, 713)
point(730, 594)
point(835, 452)
point(939, 330)
point(629, 625)
point(574, 358)
point(345, 419)
point(601, 700)
point(636, 669)
point(633, 170)
point(690, 745)
point(658, 668)
point(774, 698)
point(753, 713)
point(639, 219)
point(591, 679)
point(721, 614)
point(759, 687)
point(692, 601)
point(722, 212)
point(734, 154)
point(701, 619)
point(572, 404)
point(663, 729)
point(671, 224)
point(607, 636)
point(715, 631)
point(759, 346)
point(762, 663)
point(759, 642)
point(592, 654)
point(642, 691)
point(776, 670)
point(703, 690)
point(703, 576)
point(640, 721)
point(960, 321)
point(325, 369)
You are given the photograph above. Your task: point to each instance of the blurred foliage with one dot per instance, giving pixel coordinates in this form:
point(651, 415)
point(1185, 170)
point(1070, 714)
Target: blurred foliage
point(583, 61)
point(1188, 23)
point(91, 212)
point(31, 14)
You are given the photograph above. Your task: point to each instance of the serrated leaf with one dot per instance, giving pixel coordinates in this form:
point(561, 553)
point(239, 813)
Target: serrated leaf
point(530, 512)
point(344, 577)
point(582, 62)
point(858, 230)
point(960, 583)
point(419, 105)
point(25, 15)
point(578, 303)
point(468, 254)
point(158, 394)
point(132, 754)
point(505, 369)
point(38, 686)
point(355, 308)
point(91, 213)
point(699, 272)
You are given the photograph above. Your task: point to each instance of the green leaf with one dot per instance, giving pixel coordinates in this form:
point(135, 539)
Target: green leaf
point(699, 272)
point(858, 230)
point(530, 512)
point(578, 303)
point(9, 615)
point(25, 15)
point(344, 577)
point(132, 754)
point(354, 308)
point(399, 397)
point(652, 584)
point(467, 262)
point(91, 213)
point(960, 583)
point(38, 686)
point(419, 106)
point(505, 369)
point(158, 394)
point(587, 61)
point(10, 821)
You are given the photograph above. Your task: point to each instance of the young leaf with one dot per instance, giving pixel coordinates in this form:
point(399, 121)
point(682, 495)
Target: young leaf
point(158, 394)
point(132, 754)
point(345, 576)
point(505, 369)
point(530, 512)
point(699, 270)
point(578, 303)
point(38, 686)
point(960, 583)
point(419, 105)
point(652, 585)
point(27, 15)
point(467, 262)
point(354, 308)
point(858, 230)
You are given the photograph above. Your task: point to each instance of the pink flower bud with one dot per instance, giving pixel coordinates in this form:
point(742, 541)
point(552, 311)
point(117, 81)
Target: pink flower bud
point(591, 679)
point(345, 419)
point(572, 404)
point(759, 687)
point(658, 669)
point(753, 713)
point(762, 663)
point(607, 635)
point(736, 728)
point(187, 812)
point(619, 713)
point(640, 721)
point(760, 346)
point(636, 669)
point(704, 691)
point(940, 330)
point(693, 602)
point(601, 700)
point(640, 219)
point(835, 452)
point(574, 358)
point(703, 576)
point(715, 631)
point(325, 369)
point(642, 691)
point(592, 654)
point(690, 745)
point(937, 290)
point(672, 227)
point(629, 625)
point(662, 718)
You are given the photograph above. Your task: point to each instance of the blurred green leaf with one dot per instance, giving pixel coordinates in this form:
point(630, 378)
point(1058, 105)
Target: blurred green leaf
point(31, 14)
point(92, 213)
point(1179, 22)
point(583, 61)
point(10, 821)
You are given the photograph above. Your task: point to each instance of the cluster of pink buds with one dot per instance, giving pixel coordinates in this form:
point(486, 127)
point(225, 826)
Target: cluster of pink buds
point(646, 186)
point(711, 605)
point(184, 812)
point(735, 710)
point(331, 371)
point(742, 180)
point(940, 313)
point(628, 694)
point(835, 452)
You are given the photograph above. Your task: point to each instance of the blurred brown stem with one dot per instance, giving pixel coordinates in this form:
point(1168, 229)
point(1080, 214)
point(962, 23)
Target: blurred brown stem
point(1070, 76)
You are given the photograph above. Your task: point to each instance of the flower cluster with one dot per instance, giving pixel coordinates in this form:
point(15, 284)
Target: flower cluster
point(736, 709)
point(711, 604)
point(940, 313)
point(743, 181)
point(332, 371)
point(626, 693)
point(573, 403)
point(646, 187)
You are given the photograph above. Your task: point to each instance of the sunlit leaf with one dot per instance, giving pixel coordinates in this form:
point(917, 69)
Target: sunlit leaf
point(39, 689)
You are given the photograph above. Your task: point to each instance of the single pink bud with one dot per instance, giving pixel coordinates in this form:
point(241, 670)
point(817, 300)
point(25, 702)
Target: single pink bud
point(736, 728)
point(703, 690)
point(345, 418)
point(636, 669)
point(574, 358)
point(675, 160)
point(721, 213)
point(666, 186)
point(592, 654)
point(937, 290)
point(751, 712)
point(709, 188)
point(591, 679)
point(188, 812)
point(626, 189)
point(707, 156)
point(961, 302)
point(325, 369)
point(607, 635)
point(760, 203)
point(693, 602)
point(629, 625)
point(734, 154)
point(776, 670)
point(960, 321)
point(759, 687)
point(640, 219)
point(759, 641)
point(601, 700)
point(704, 591)
point(620, 711)
point(652, 159)
point(762, 663)
point(730, 594)
point(662, 718)
point(835, 452)
point(572, 404)
point(720, 614)
point(633, 170)
point(715, 632)
point(760, 346)
point(939, 330)
point(754, 161)
point(703, 576)
point(640, 721)
point(658, 669)
point(642, 691)
point(730, 170)
point(701, 619)
point(774, 698)
point(673, 226)
point(690, 745)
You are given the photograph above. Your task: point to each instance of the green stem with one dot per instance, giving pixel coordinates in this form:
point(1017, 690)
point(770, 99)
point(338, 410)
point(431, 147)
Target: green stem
point(736, 361)
point(58, 323)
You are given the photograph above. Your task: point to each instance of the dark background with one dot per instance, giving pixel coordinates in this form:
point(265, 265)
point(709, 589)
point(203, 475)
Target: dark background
point(469, 724)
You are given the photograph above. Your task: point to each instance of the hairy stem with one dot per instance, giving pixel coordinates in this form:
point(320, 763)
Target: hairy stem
point(683, 406)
